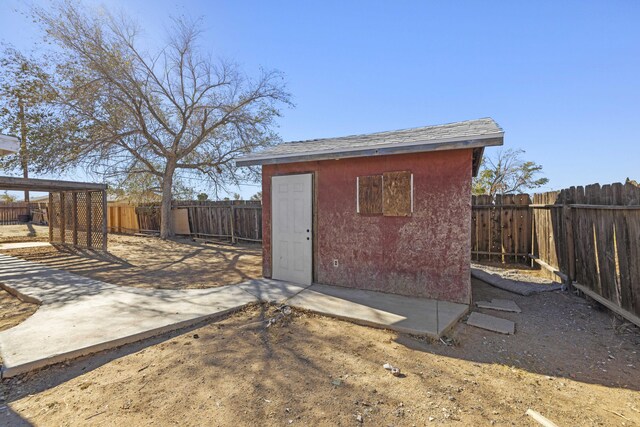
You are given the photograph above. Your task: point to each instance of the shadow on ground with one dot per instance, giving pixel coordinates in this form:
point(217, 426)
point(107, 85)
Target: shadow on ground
point(558, 334)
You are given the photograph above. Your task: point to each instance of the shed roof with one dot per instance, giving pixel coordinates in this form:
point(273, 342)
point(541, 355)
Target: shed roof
point(475, 134)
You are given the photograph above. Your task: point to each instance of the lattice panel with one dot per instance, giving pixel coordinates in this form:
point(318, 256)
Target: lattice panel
point(77, 218)
point(97, 211)
point(54, 219)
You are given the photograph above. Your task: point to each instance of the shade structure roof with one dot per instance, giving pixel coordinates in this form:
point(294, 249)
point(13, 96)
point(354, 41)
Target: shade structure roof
point(47, 185)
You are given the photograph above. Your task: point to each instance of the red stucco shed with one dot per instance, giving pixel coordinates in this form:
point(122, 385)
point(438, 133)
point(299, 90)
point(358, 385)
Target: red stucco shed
point(388, 211)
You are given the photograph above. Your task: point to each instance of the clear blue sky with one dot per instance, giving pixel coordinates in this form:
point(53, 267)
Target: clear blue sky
point(561, 78)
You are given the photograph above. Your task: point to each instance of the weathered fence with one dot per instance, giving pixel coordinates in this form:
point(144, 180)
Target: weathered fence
point(501, 228)
point(591, 236)
point(14, 212)
point(232, 220)
point(586, 236)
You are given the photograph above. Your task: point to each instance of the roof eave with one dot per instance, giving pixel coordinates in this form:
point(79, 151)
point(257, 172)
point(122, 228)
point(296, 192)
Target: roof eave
point(493, 139)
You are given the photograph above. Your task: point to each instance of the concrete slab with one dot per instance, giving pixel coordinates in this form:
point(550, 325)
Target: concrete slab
point(22, 245)
point(500, 305)
point(491, 323)
point(269, 290)
point(80, 316)
point(417, 316)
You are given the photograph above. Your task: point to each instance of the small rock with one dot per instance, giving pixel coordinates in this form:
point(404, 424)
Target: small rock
point(359, 418)
point(337, 382)
point(431, 418)
point(196, 336)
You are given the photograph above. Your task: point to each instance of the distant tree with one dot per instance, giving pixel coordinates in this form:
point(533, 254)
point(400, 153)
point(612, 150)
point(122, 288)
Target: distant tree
point(203, 196)
point(257, 197)
point(171, 113)
point(145, 188)
point(26, 111)
point(632, 182)
point(236, 196)
point(7, 198)
point(506, 172)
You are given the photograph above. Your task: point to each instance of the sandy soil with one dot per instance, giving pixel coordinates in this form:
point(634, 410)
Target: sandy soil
point(24, 233)
point(151, 262)
point(568, 360)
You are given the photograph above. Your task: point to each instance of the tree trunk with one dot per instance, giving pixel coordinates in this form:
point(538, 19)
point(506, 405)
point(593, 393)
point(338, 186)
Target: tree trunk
point(165, 207)
point(23, 146)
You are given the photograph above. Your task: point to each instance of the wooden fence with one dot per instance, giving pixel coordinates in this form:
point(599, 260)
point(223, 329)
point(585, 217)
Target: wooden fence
point(11, 211)
point(588, 237)
point(232, 220)
point(591, 237)
point(501, 229)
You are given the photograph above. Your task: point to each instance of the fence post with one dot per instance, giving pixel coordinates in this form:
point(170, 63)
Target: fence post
point(571, 254)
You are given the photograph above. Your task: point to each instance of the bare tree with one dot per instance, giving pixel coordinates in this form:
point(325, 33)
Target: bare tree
point(174, 113)
point(506, 172)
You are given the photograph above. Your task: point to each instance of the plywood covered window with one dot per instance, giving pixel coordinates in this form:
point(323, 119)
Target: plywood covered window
point(397, 197)
point(369, 195)
point(389, 194)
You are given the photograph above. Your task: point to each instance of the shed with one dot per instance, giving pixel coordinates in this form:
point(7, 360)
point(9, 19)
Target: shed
point(388, 211)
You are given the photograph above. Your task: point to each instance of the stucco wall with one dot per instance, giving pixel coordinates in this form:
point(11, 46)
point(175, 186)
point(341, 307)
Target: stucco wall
point(425, 255)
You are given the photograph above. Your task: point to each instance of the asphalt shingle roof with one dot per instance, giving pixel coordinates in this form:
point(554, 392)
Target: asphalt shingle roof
point(427, 138)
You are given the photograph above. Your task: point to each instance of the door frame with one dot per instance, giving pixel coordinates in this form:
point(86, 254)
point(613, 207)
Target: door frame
point(314, 219)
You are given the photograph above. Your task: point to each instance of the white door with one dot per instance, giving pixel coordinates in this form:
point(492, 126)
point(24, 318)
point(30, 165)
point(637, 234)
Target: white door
point(291, 228)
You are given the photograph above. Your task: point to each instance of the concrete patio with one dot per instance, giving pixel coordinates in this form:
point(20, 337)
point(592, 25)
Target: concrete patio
point(79, 316)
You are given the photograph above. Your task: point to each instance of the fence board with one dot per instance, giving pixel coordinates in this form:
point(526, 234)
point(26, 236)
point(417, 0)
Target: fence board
point(10, 212)
point(590, 234)
point(207, 219)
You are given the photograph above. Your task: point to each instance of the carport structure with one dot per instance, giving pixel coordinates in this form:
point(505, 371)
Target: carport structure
point(77, 213)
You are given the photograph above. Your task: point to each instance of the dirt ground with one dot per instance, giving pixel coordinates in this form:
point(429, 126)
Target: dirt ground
point(24, 233)
point(151, 262)
point(568, 360)
point(13, 311)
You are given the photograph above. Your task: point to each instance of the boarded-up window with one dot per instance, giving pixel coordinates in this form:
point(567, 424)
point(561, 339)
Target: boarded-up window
point(370, 195)
point(396, 194)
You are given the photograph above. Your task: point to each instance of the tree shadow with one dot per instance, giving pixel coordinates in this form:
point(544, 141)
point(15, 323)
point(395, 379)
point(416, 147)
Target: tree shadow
point(557, 334)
